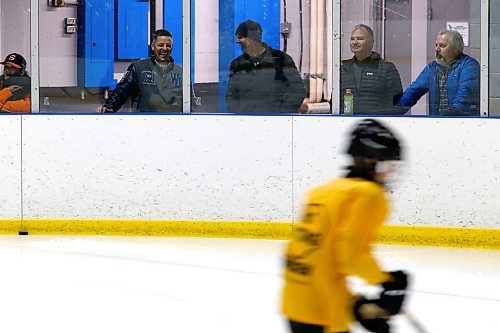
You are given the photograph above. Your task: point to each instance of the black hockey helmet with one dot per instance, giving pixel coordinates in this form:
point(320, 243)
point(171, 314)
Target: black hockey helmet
point(371, 139)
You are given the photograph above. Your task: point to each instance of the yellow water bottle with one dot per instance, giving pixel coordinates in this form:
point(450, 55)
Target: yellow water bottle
point(348, 102)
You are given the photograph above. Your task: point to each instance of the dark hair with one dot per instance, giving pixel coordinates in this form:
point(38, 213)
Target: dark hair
point(367, 29)
point(160, 33)
point(250, 29)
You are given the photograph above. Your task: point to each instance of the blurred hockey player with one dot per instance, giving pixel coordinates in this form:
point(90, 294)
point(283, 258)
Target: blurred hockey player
point(333, 241)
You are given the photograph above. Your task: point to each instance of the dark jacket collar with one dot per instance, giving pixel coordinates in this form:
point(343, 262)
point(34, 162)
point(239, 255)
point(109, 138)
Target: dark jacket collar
point(153, 60)
point(373, 57)
point(268, 52)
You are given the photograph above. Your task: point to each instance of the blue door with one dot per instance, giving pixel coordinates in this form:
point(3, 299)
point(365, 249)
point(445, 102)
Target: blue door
point(132, 26)
point(96, 43)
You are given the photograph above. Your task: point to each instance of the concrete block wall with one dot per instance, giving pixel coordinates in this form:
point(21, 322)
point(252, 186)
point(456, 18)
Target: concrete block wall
point(494, 65)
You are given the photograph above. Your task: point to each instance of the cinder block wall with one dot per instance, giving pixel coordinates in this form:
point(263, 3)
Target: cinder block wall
point(494, 65)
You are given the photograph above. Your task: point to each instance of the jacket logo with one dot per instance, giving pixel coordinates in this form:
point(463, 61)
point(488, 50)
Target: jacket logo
point(149, 77)
point(369, 73)
point(176, 79)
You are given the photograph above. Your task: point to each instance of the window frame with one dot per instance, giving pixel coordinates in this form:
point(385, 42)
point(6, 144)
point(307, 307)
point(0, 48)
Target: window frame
point(186, 56)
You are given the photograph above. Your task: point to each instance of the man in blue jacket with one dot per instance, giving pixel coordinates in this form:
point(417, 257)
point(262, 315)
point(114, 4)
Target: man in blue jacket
point(452, 80)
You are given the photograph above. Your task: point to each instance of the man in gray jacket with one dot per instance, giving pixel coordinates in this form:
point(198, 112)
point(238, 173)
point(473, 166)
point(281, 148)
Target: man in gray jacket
point(153, 84)
point(375, 83)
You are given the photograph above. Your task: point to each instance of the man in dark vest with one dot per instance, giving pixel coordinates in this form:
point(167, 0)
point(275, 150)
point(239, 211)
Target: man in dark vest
point(262, 79)
point(375, 83)
point(153, 84)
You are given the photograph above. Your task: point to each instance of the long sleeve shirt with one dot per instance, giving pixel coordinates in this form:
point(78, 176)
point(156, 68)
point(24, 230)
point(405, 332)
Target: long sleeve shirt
point(21, 105)
point(333, 240)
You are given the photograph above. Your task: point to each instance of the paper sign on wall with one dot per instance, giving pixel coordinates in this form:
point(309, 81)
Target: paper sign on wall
point(462, 28)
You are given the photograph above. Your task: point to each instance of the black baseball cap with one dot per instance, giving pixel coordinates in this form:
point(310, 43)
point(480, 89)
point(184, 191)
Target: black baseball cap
point(16, 60)
point(249, 29)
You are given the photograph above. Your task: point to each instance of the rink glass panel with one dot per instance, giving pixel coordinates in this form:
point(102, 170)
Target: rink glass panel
point(405, 32)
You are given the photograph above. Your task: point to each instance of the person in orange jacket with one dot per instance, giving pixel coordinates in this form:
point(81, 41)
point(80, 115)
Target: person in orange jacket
point(333, 241)
point(15, 88)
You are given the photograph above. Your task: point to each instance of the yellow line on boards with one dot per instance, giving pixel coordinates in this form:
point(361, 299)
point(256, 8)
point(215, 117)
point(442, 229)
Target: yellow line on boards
point(216, 229)
point(441, 236)
point(403, 235)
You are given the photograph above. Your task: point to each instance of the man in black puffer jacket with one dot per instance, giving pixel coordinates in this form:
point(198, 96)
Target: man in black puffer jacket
point(375, 83)
point(262, 79)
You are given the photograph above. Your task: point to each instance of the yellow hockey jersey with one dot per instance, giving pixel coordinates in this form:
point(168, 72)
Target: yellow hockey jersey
point(333, 240)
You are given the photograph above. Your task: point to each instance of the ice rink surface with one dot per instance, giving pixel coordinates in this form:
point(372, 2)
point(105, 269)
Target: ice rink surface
point(188, 285)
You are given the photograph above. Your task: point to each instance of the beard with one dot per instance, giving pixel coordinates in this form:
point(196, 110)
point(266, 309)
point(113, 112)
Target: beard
point(442, 61)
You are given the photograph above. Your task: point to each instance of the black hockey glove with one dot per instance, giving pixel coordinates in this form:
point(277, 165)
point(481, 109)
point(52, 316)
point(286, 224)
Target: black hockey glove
point(393, 295)
point(374, 314)
point(370, 320)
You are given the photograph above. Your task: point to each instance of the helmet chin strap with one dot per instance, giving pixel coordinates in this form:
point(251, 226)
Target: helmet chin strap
point(362, 168)
point(383, 172)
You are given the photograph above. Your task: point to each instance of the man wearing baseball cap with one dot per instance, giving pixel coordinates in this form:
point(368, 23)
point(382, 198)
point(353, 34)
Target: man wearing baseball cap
point(262, 79)
point(15, 88)
point(15, 60)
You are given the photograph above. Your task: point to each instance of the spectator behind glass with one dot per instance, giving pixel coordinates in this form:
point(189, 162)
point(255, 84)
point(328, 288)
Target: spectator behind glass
point(15, 85)
point(452, 80)
point(375, 83)
point(153, 84)
point(262, 79)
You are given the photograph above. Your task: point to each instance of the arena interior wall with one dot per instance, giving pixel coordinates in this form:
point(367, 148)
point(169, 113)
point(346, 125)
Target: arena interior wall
point(237, 176)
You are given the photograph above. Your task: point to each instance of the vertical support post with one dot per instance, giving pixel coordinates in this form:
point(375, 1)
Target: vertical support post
point(158, 14)
point(382, 34)
point(485, 57)
point(152, 17)
point(419, 47)
point(336, 58)
point(186, 56)
point(34, 56)
point(226, 47)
